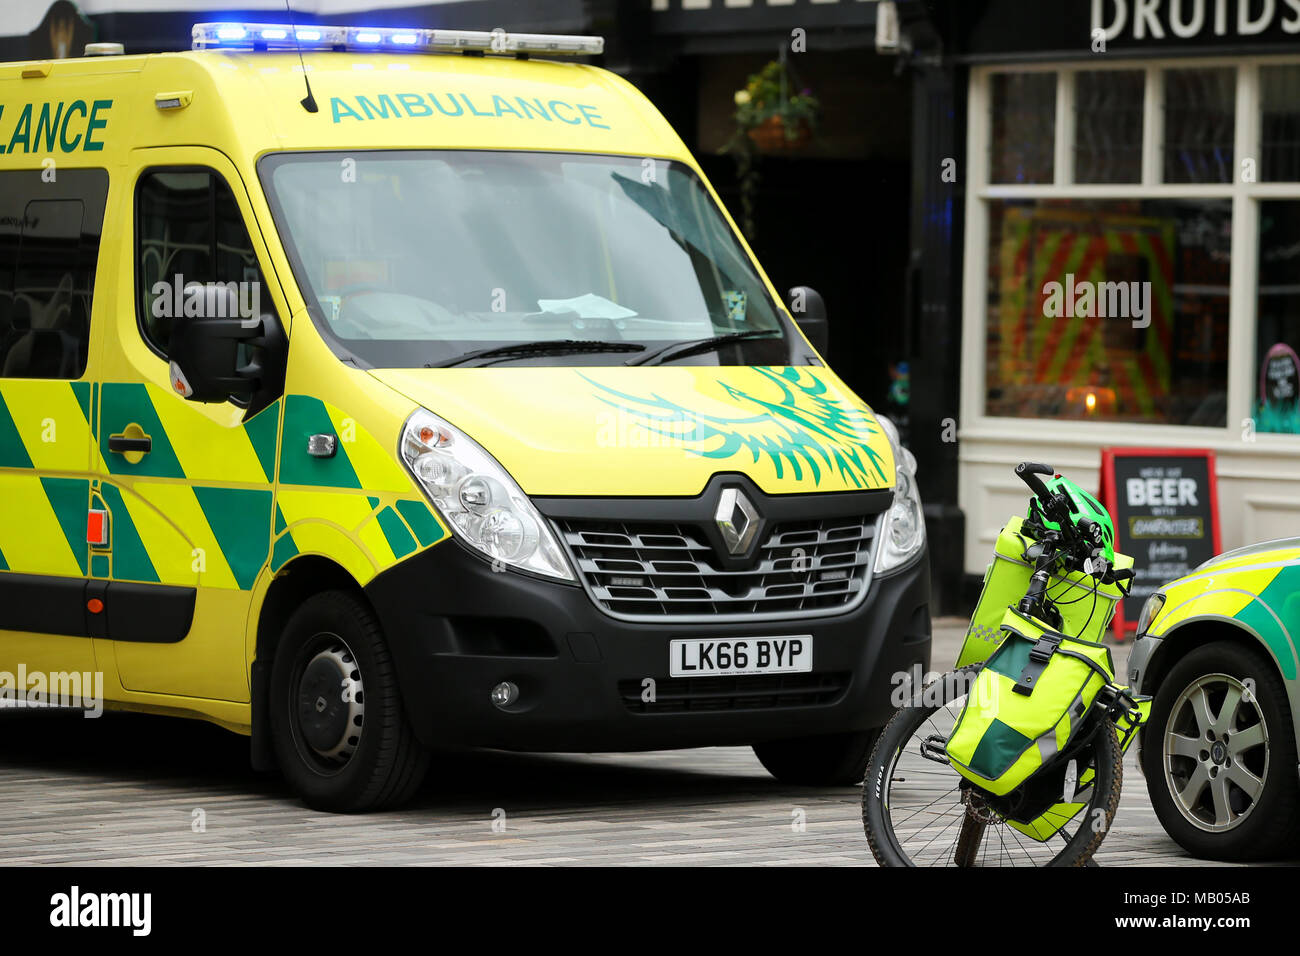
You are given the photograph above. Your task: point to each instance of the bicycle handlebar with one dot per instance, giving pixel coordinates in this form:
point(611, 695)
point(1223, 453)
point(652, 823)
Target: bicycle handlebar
point(1075, 542)
point(1029, 472)
point(1058, 507)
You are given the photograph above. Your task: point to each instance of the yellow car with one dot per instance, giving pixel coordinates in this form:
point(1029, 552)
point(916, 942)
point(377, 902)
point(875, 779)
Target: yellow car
point(370, 392)
point(1216, 649)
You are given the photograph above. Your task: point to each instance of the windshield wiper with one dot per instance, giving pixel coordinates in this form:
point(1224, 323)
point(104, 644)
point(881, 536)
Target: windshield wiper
point(683, 349)
point(544, 347)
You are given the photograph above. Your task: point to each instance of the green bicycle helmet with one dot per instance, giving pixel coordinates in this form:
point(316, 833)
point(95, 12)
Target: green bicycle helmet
point(1083, 508)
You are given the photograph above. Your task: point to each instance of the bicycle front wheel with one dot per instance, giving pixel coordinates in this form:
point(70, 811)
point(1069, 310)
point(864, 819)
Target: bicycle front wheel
point(918, 811)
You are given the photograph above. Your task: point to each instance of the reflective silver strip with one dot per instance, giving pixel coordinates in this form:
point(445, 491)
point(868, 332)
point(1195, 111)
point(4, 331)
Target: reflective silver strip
point(1047, 745)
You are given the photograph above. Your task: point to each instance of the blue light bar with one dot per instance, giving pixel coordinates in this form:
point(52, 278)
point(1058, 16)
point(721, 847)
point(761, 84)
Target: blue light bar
point(284, 37)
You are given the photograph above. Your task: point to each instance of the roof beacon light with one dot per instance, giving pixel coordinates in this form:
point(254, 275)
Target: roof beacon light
point(286, 38)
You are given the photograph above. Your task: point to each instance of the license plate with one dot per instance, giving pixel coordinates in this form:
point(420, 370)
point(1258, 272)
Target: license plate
point(787, 654)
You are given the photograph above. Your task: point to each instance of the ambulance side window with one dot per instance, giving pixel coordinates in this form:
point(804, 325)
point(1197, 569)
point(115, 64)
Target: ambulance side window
point(49, 244)
point(189, 230)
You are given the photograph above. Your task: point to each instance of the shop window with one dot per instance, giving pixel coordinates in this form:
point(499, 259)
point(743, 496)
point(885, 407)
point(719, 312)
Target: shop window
point(1109, 310)
point(1023, 113)
point(190, 230)
point(1279, 123)
point(49, 243)
point(1277, 333)
point(1108, 126)
point(1200, 107)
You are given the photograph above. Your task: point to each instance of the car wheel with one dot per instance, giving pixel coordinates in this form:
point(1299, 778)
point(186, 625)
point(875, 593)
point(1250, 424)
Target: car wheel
point(829, 760)
point(1219, 756)
point(338, 727)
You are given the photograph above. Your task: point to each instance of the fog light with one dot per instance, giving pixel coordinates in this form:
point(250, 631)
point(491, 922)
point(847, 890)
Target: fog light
point(505, 694)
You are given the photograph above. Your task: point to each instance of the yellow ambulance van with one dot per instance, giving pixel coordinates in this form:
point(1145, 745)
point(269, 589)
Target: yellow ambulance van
point(380, 392)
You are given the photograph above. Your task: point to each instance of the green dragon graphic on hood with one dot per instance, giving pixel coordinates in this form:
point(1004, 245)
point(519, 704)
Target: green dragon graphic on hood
point(810, 429)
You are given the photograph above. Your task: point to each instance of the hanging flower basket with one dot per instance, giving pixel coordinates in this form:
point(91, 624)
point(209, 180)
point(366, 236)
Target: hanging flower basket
point(771, 118)
point(776, 134)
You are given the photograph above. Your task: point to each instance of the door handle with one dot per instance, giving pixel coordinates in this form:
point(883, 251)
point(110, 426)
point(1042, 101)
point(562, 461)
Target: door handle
point(122, 444)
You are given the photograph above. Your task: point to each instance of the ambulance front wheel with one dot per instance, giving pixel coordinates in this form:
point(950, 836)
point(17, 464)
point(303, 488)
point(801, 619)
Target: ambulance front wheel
point(340, 733)
point(829, 760)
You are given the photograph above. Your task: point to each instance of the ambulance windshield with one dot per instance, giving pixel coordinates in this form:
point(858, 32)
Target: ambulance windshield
point(412, 258)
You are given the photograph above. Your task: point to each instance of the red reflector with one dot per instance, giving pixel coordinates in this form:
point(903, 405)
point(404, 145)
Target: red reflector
point(97, 526)
point(94, 605)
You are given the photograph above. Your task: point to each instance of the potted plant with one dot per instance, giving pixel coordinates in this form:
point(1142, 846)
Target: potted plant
point(770, 118)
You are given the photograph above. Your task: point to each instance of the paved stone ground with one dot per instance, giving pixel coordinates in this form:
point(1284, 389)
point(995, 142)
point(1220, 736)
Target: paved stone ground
point(128, 789)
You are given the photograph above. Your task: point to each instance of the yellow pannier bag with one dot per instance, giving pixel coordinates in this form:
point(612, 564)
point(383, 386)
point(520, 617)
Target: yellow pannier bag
point(1045, 826)
point(1026, 704)
point(1086, 605)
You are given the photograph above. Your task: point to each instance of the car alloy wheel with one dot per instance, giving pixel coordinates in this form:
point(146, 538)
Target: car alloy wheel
point(1216, 752)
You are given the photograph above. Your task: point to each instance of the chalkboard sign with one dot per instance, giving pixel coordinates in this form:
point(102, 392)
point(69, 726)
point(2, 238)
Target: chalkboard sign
point(1165, 505)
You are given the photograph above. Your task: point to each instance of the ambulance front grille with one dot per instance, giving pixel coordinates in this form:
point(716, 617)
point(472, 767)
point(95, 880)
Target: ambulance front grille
point(656, 570)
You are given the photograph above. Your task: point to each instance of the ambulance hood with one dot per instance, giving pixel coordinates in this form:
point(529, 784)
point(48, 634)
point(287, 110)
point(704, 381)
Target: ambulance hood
point(1278, 549)
point(655, 431)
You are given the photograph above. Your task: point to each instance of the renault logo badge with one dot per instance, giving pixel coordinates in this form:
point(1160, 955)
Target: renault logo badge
point(737, 520)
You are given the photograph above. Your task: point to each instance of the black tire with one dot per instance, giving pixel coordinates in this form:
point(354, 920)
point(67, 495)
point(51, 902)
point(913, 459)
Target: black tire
point(972, 843)
point(337, 753)
point(829, 760)
point(1242, 826)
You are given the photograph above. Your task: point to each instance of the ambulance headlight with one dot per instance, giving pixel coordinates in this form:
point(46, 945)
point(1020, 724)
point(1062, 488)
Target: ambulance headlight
point(903, 530)
point(1150, 611)
point(478, 499)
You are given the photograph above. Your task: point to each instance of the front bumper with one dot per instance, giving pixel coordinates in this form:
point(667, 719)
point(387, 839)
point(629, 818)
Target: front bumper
point(1138, 660)
point(457, 628)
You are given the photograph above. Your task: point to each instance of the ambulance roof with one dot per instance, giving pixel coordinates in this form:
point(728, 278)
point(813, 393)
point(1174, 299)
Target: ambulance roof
point(247, 103)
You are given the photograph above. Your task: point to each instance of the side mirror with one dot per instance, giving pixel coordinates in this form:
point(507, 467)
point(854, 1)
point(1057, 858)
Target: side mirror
point(219, 354)
point(809, 313)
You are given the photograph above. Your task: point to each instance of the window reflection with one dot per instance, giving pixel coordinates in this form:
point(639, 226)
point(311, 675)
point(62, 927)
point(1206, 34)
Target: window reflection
point(1111, 310)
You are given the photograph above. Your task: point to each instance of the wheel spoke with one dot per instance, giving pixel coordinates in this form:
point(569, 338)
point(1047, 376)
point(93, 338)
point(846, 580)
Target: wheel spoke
point(1219, 793)
point(1196, 784)
point(1178, 745)
point(1243, 740)
point(920, 810)
point(1250, 784)
point(1200, 704)
point(1228, 712)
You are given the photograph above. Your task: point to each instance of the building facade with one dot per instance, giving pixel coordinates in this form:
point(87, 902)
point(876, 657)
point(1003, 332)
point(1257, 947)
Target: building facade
point(1130, 247)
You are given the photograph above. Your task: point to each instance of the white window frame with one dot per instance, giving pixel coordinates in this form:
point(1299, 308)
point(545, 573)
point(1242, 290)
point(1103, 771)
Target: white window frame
point(1244, 249)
